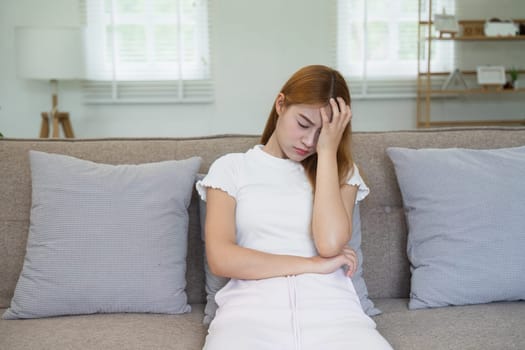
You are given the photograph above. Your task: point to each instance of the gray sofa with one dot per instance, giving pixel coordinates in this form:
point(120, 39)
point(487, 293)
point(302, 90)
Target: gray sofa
point(386, 268)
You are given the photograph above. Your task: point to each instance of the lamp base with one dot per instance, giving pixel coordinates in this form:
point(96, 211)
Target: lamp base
point(59, 118)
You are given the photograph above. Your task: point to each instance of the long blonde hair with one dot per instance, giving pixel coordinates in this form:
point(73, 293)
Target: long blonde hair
point(315, 85)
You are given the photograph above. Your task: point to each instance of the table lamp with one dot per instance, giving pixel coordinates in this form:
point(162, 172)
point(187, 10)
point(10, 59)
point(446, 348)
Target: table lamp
point(53, 54)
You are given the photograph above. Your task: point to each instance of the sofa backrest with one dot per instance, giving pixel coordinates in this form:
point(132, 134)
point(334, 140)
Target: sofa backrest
point(386, 267)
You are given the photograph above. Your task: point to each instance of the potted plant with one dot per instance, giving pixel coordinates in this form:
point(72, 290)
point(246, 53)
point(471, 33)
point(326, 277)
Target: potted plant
point(514, 73)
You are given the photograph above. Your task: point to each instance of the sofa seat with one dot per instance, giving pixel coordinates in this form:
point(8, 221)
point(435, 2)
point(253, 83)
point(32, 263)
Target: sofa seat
point(487, 326)
point(106, 331)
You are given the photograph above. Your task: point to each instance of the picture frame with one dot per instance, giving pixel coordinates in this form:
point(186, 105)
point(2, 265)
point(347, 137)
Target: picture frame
point(444, 23)
point(491, 75)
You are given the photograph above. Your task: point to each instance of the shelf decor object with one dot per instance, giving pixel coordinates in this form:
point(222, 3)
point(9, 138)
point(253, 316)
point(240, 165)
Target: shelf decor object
point(488, 76)
point(432, 84)
point(455, 79)
point(514, 74)
point(472, 29)
point(52, 54)
point(446, 24)
point(497, 27)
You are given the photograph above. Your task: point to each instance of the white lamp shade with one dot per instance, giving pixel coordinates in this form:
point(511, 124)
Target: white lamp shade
point(49, 53)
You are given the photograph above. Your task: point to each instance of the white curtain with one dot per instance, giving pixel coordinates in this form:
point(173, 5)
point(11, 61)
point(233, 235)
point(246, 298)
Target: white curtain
point(151, 51)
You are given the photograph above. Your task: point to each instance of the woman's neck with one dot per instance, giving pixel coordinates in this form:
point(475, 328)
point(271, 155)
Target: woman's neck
point(273, 147)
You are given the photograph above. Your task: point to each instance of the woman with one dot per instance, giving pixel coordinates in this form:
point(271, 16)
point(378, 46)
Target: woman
point(278, 222)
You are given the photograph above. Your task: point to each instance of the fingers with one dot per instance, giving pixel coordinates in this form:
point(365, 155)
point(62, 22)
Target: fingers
point(325, 119)
point(346, 259)
point(335, 109)
point(341, 112)
point(348, 114)
point(350, 260)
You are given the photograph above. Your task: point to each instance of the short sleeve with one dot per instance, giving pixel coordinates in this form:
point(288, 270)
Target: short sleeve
point(357, 180)
point(223, 175)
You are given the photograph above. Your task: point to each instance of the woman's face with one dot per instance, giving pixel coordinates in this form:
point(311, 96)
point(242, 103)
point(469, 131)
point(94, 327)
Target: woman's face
point(297, 130)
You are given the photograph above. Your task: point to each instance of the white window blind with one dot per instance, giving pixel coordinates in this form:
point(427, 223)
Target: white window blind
point(147, 51)
point(377, 45)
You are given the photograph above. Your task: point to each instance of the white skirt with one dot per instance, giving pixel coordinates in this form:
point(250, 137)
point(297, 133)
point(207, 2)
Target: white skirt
point(303, 312)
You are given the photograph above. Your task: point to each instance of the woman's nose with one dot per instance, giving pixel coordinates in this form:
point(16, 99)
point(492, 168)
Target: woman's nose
point(309, 139)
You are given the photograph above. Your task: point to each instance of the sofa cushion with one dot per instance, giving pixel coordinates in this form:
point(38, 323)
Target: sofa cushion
point(215, 283)
point(466, 224)
point(106, 331)
point(491, 326)
point(105, 238)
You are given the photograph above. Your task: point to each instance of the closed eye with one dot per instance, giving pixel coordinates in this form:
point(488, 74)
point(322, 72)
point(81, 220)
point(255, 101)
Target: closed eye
point(306, 122)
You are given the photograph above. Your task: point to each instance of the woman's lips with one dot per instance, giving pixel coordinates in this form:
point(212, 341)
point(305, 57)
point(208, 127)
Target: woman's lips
point(300, 151)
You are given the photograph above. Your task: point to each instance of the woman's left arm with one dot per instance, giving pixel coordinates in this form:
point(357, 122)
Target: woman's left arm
point(333, 205)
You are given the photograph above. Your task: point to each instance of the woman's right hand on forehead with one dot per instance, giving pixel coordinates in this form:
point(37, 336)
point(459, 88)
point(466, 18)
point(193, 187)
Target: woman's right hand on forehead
point(333, 126)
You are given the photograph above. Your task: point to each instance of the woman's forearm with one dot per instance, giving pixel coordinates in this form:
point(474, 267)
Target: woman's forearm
point(231, 260)
point(330, 224)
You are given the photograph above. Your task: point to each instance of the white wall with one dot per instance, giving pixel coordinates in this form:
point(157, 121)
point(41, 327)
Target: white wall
point(257, 45)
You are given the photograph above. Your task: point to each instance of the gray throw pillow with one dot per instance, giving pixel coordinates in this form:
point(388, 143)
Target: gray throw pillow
point(465, 212)
point(105, 238)
point(215, 283)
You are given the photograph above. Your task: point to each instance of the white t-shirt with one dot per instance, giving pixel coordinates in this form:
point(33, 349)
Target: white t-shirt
point(274, 200)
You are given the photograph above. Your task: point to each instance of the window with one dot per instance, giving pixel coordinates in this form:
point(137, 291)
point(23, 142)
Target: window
point(377, 45)
point(147, 51)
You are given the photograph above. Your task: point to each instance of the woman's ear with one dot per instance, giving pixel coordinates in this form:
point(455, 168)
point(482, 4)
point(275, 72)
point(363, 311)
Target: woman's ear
point(279, 104)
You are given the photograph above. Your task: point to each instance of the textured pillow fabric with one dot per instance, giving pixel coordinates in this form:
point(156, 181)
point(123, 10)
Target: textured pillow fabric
point(358, 279)
point(465, 211)
point(215, 283)
point(105, 238)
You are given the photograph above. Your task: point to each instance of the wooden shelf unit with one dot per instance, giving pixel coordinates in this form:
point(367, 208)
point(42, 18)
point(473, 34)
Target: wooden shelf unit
point(425, 92)
point(482, 38)
point(499, 122)
point(477, 91)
